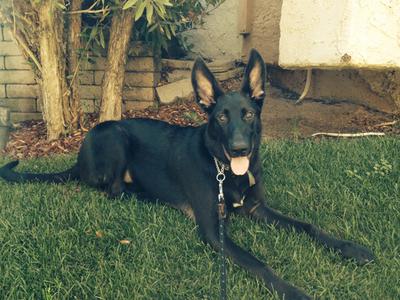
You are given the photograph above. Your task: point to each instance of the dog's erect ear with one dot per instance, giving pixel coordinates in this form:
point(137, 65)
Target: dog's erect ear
point(206, 87)
point(254, 77)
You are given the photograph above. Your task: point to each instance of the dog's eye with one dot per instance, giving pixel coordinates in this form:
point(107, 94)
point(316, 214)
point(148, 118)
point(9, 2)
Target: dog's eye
point(222, 118)
point(249, 116)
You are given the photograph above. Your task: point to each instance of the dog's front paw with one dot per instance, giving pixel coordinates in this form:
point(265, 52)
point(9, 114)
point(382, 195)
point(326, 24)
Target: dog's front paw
point(357, 252)
point(287, 291)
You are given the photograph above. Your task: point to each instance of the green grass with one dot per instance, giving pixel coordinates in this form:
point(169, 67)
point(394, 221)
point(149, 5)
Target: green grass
point(49, 248)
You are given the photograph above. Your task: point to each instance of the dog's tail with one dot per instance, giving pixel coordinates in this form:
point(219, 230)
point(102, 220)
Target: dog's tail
point(8, 174)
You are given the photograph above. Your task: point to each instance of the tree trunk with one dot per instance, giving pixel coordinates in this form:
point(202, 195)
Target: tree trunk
point(73, 46)
point(111, 102)
point(53, 82)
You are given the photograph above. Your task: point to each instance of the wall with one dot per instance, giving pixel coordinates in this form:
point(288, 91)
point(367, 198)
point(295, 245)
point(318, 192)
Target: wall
point(19, 91)
point(264, 34)
point(378, 89)
point(218, 37)
point(340, 34)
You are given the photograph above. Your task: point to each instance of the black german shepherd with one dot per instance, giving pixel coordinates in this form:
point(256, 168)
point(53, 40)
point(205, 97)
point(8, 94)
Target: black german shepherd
point(177, 165)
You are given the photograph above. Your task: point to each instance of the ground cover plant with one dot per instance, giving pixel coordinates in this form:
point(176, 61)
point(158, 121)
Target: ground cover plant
point(66, 241)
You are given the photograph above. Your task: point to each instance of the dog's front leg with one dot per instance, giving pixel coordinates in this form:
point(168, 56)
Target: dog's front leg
point(208, 228)
point(255, 207)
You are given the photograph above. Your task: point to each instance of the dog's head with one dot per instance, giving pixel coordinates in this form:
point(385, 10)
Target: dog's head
point(234, 125)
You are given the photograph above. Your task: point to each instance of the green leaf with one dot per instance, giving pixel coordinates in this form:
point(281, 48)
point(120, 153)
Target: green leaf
point(129, 4)
point(153, 27)
point(149, 12)
point(167, 32)
point(61, 5)
point(160, 10)
point(167, 3)
point(163, 43)
point(102, 42)
point(140, 10)
point(164, 2)
point(173, 28)
point(93, 33)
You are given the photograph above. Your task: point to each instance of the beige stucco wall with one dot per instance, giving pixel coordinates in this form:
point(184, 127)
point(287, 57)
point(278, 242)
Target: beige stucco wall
point(218, 37)
point(373, 88)
point(340, 34)
point(264, 34)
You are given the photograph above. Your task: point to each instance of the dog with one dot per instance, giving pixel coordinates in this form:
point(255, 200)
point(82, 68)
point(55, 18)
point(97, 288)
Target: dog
point(178, 166)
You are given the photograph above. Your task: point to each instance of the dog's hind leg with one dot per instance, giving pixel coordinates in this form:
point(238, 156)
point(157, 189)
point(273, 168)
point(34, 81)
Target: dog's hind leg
point(122, 184)
point(117, 188)
point(109, 178)
point(255, 207)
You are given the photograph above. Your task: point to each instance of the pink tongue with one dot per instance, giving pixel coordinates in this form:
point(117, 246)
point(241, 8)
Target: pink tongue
point(240, 165)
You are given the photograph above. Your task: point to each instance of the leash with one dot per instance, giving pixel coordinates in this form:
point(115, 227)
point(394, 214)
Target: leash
point(221, 219)
point(221, 168)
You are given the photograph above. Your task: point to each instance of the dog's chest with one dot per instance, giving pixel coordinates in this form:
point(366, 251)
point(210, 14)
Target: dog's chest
point(238, 187)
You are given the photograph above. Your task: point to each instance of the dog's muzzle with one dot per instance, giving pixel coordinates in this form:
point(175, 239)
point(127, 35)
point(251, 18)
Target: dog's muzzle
point(239, 164)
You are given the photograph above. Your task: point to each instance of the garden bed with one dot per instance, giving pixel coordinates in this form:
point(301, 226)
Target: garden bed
point(282, 119)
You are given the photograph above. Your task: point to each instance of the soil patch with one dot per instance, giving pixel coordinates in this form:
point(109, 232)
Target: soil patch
point(282, 118)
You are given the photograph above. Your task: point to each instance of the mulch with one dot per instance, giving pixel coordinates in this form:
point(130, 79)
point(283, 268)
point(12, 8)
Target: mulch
point(29, 140)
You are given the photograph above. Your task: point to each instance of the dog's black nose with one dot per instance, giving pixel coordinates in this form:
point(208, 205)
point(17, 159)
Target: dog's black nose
point(239, 149)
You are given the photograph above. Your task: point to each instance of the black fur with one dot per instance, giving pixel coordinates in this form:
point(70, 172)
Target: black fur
point(175, 165)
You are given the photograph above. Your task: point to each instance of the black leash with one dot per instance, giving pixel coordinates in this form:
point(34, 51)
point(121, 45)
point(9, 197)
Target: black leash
point(221, 219)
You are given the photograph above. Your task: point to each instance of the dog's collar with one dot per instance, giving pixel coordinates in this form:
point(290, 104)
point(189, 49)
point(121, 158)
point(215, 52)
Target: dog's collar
point(251, 179)
point(220, 165)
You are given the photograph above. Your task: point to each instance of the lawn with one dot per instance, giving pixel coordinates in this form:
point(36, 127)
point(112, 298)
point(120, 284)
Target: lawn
point(64, 241)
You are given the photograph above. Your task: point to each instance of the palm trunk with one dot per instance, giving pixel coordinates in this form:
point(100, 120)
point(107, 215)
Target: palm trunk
point(73, 45)
point(111, 102)
point(53, 80)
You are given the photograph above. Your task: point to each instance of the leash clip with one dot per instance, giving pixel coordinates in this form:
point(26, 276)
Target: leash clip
point(221, 199)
